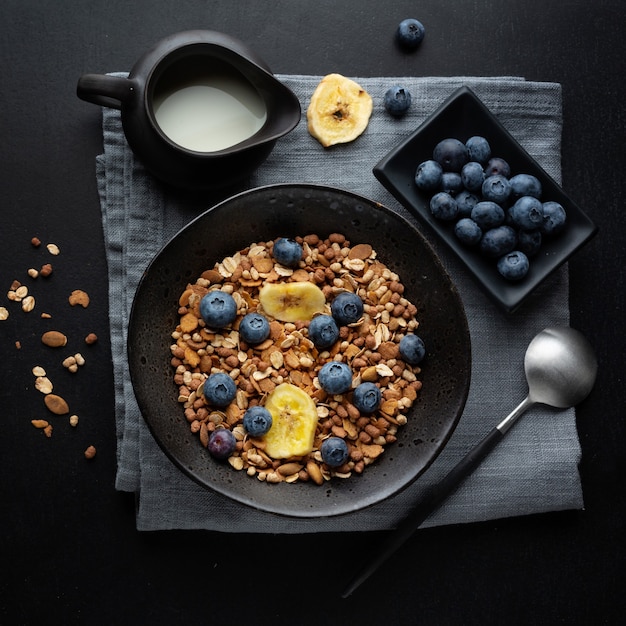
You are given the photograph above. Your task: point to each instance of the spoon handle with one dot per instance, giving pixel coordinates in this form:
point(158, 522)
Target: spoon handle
point(429, 503)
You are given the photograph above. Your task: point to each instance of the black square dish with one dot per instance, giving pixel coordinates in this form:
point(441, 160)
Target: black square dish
point(462, 116)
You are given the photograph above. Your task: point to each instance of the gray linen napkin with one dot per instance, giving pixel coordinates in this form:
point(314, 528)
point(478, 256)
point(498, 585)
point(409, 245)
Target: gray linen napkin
point(535, 469)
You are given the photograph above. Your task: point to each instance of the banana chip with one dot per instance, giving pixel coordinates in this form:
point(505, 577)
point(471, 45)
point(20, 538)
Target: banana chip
point(294, 419)
point(339, 110)
point(292, 302)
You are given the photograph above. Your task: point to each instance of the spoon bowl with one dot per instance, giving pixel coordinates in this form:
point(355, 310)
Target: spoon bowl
point(560, 367)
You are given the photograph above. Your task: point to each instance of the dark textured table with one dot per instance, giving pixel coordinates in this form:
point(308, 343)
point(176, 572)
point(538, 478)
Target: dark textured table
point(70, 553)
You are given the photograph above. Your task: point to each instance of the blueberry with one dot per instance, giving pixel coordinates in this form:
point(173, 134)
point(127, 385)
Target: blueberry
point(428, 175)
point(498, 241)
point(473, 176)
point(451, 182)
point(257, 420)
point(443, 206)
point(219, 389)
point(346, 308)
point(451, 154)
point(496, 188)
point(287, 252)
point(412, 349)
point(478, 149)
point(323, 331)
point(527, 213)
point(335, 377)
point(514, 265)
point(465, 201)
point(468, 231)
point(554, 218)
point(218, 309)
point(496, 165)
point(410, 33)
point(367, 397)
point(529, 242)
point(397, 100)
point(487, 214)
point(525, 185)
point(334, 451)
point(222, 443)
point(254, 328)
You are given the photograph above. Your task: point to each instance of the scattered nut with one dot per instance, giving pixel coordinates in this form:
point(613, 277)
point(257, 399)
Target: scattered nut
point(4, 313)
point(54, 339)
point(56, 404)
point(53, 249)
point(35, 242)
point(33, 273)
point(39, 423)
point(90, 452)
point(45, 270)
point(80, 297)
point(39, 371)
point(73, 421)
point(72, 363)
point(91, 338)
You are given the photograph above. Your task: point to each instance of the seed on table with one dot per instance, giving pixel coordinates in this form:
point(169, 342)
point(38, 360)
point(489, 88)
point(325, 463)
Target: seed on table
point(73, 421)
point(90, 452)
point(4, 313)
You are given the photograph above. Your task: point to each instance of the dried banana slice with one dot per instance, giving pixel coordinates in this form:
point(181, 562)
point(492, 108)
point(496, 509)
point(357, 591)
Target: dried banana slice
point(294, 419)
point(292, 302)
point(339, 110)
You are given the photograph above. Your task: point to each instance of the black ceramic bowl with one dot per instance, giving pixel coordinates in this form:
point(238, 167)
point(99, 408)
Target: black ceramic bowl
point(462, 116)
point(288, 210)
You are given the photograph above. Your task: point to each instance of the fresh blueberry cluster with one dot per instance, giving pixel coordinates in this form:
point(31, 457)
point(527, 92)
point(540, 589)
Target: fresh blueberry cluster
point(501, 215)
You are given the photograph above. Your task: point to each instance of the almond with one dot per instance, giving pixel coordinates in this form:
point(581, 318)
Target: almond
point(56, 404)
point(54, 339)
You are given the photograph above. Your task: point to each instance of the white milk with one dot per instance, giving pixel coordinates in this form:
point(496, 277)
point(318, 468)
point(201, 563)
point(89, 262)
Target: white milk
point(210, 114)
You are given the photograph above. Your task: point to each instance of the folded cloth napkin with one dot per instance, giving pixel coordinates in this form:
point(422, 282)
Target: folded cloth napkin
point(535, 469)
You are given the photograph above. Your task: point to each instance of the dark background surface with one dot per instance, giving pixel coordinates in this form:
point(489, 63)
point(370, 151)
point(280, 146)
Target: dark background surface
point(69, 551)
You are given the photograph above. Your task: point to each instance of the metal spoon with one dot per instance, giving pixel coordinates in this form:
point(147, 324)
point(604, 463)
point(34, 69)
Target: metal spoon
point(560, 368)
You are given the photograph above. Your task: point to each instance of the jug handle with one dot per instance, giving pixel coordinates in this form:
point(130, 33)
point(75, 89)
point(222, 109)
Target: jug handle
point(105, 90)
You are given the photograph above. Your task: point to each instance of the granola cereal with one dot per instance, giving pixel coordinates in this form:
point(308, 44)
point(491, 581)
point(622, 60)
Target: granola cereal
point(369, 346)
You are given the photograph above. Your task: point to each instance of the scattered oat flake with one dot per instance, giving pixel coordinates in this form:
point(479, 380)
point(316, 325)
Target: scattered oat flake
point(53, 249)
point(4, 313)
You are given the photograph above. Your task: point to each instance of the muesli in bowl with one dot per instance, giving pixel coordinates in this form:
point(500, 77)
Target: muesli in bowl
point(301, 368)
